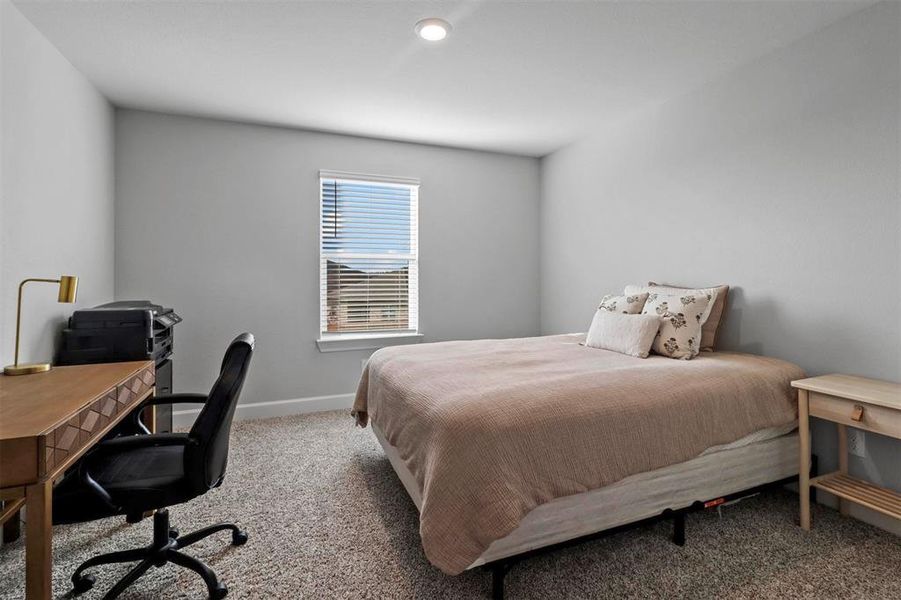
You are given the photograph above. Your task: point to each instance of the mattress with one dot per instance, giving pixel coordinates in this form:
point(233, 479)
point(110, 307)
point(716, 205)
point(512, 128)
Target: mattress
point(761, 457)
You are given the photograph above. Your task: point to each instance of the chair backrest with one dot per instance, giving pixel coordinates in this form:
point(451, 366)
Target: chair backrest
point(207, 457)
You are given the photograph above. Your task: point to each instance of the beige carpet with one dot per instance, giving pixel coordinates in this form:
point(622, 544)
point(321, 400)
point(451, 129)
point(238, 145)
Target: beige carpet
point(327, 518)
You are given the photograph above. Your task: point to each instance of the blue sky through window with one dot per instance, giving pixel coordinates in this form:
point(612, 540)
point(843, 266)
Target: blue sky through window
point(366, 218)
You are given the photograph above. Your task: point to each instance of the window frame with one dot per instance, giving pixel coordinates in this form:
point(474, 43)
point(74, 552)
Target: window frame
point(364, 340)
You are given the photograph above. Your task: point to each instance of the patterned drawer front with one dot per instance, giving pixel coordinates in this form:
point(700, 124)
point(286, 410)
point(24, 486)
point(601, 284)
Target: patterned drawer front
point(72, 436)
point(137, 386)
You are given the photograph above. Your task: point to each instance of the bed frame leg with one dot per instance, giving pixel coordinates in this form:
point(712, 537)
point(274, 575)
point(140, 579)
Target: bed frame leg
point(679, 529)
point(498, 572)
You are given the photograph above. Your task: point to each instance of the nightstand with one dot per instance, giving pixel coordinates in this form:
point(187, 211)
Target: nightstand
point(847, 401)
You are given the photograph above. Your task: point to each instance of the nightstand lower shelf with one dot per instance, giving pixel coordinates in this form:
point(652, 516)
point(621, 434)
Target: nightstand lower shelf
point(860, 492)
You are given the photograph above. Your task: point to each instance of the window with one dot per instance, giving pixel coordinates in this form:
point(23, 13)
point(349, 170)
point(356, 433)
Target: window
point(368, 259)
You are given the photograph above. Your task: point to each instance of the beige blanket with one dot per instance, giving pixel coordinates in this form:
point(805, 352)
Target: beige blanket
point(493, 428)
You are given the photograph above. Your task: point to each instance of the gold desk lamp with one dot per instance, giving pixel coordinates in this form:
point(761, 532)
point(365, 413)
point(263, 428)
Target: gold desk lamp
point(68, 284)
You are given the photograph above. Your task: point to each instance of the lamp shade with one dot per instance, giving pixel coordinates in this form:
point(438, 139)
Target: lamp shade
point(68, 285)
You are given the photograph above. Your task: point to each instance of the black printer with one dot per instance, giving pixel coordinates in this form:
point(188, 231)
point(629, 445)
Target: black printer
point(122, 331)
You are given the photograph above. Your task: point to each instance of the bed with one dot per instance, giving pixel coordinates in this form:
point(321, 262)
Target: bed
point(509, 446)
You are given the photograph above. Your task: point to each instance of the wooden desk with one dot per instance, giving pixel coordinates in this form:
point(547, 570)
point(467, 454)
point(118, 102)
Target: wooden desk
point(846, 400)
point(47, 421)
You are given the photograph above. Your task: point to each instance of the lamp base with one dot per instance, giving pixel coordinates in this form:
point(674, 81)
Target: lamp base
point(26, 369)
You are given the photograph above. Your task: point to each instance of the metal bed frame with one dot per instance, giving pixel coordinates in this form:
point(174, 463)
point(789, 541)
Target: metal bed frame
point(499, 568)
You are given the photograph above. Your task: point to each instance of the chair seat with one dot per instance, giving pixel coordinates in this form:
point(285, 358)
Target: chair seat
point(139, 468)
point(138, 480)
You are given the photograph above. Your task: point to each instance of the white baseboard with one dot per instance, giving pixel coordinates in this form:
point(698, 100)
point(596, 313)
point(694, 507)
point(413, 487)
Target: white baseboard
point(275, 408)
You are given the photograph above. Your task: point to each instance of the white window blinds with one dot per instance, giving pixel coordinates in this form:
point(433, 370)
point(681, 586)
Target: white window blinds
point(368, 267)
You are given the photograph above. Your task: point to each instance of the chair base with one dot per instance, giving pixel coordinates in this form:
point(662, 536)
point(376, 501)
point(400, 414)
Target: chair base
point(164, 549)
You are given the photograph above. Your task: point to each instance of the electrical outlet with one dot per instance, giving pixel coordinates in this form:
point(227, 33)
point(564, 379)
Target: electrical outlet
point(857, 443)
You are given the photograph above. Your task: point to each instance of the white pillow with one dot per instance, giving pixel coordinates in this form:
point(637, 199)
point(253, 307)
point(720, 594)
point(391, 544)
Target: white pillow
point(630, 304)
point(624, 333)
point(682, 318)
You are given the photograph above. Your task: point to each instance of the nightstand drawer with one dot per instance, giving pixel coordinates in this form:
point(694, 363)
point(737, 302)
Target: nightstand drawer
point(878, 419)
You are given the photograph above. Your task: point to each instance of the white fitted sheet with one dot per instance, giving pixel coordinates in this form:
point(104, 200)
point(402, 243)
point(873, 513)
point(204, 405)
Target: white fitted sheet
point(761, 457)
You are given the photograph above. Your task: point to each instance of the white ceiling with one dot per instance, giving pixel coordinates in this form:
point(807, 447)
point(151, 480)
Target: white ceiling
point(523, 77)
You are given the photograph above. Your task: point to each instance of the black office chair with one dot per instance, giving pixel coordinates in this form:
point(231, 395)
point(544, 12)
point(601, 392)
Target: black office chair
point(131, 475)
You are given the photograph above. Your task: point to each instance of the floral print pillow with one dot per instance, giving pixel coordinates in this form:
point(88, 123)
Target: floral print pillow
point(628, 305)
point(681, 319)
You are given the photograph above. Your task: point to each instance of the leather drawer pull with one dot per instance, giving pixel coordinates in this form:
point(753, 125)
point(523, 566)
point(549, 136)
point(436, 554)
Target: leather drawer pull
point(857, 415)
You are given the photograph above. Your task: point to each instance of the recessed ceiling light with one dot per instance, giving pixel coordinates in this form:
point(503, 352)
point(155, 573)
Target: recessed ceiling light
point(433, 30)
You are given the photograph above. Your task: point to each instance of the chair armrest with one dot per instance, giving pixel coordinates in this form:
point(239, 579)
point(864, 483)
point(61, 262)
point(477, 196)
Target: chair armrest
point(140, 427)
point(132, 442)
point(174, 399)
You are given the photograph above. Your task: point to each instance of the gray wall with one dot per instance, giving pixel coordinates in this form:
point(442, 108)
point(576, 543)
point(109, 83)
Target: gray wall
point(782, 180)
point(56, 186)
point(220, 221)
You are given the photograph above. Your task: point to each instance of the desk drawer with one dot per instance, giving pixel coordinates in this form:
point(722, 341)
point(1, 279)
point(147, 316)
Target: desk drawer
point(94, 420)
point(878, 419)
point(70, 437)
point(136, 387)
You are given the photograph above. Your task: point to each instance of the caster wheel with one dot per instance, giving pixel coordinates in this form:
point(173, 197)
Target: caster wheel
point(219, 593)
point(239, 538)
point(173, 533)
point(83, 583)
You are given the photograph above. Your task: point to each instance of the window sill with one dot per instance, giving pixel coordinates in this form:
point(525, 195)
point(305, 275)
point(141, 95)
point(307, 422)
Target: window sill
point(365, 341)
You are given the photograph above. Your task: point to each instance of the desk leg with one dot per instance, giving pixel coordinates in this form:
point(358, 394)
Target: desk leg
point(39, 541)
point(842, 462)
point(804, 475)
point(149, 418)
